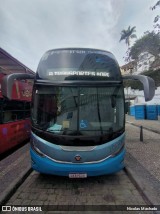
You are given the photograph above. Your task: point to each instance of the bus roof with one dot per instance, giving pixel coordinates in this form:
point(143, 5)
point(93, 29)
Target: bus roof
point(84, 49)
point(76, 48)
point(9, 65)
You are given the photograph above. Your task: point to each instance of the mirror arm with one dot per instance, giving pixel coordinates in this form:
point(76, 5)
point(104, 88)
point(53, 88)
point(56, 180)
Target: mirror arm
point(148, 84)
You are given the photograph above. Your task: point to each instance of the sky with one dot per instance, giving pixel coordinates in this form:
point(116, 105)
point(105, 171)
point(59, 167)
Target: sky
point(28, 28)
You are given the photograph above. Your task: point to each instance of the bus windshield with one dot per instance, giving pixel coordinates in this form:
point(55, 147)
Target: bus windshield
point(78, 64)
point(86, 111)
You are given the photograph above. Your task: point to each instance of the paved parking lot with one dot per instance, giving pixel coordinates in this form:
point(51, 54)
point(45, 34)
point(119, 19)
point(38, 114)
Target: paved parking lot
point(146, 152)
point(53, 190)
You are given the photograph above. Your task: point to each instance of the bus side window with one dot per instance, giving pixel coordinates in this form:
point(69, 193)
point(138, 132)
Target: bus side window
point(1, 117)
point(14, 117)
point(7, 116)
point(27, 110)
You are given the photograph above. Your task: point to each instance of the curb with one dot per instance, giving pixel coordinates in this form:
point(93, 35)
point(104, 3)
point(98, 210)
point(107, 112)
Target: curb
point(11, 189)
point(148, 129)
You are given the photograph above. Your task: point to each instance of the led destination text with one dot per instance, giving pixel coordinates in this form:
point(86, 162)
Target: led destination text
point(79, 73)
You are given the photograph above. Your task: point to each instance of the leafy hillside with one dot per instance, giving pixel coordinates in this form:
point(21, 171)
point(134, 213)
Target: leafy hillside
point(137, 85)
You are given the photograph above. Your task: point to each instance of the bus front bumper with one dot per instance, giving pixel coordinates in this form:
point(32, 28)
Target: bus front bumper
point(47, 166)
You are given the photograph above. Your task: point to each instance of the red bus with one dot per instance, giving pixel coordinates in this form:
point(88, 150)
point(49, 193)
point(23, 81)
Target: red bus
point(14, 113)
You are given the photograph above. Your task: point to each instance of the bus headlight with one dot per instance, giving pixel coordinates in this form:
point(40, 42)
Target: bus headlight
point(119, 151)
point(35, 148)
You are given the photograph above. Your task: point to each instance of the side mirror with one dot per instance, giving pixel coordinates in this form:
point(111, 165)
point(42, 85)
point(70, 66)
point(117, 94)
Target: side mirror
point(148, 85)
point(8, 81)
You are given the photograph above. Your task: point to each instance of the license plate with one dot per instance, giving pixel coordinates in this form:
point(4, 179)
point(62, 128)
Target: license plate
point(78, 175)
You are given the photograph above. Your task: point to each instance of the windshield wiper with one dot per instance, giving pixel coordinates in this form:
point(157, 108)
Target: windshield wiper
point(99, 115)
point(114, 97)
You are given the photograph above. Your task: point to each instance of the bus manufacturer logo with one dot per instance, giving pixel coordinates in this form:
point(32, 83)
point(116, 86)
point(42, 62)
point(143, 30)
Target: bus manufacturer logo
point(77, 157)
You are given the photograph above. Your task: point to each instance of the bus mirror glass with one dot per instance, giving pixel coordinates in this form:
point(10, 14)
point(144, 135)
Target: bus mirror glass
point(148, 85)
point(8, 81)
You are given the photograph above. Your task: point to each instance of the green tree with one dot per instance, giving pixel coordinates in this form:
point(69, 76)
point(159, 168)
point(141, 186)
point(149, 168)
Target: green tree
point(127, 35)
point(157, 18)
point(156, 5)
point(149, 42)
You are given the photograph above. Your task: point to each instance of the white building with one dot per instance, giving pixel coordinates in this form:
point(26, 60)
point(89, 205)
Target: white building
point(128, 68)
point(144, 62)
point(140, 96)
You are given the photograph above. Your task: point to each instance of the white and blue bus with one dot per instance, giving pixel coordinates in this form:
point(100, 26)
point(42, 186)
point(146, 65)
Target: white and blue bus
point(77, 112)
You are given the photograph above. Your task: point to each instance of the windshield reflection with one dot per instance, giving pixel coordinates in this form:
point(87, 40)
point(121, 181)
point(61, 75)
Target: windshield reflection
point(82, 111)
